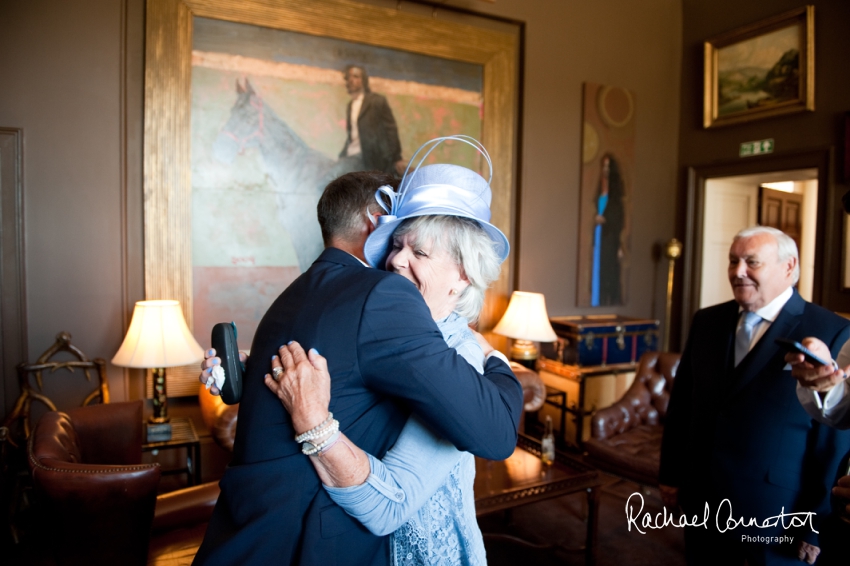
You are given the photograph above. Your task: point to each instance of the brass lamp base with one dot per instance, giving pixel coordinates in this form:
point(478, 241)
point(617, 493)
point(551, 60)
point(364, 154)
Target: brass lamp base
point(160, 399)
point(525, 353)
point(158, 428)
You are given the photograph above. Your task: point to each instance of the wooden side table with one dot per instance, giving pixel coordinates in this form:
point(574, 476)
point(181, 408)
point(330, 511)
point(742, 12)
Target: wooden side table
point(523, 479)
point(183, 435)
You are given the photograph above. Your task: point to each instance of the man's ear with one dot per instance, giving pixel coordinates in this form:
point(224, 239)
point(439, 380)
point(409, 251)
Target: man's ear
point(792, 264)
point(373, 225)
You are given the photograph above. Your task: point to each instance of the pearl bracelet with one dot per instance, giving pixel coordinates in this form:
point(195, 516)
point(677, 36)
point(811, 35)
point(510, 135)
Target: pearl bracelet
point(313, 432)
point(329, 430)
point(310, 449)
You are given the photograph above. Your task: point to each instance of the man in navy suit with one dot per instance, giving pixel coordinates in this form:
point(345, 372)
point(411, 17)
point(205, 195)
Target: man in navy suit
point(736, 440)
point(387, 358)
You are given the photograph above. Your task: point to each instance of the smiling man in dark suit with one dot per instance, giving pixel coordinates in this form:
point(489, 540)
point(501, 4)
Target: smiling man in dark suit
point(386, 358)
point(734, 428)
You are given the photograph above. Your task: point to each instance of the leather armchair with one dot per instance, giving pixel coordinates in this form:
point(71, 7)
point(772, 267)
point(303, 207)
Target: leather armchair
point(626, 437)
point(98, 502)
point(221, 419)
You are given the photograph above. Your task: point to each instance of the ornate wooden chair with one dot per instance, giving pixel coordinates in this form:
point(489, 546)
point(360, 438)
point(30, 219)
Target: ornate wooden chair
point(19, 419)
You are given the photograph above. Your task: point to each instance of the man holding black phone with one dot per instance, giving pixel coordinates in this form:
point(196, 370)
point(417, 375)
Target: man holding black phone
point(735, 438)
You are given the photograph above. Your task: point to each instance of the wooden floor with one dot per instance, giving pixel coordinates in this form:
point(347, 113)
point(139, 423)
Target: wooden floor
point(557, 522)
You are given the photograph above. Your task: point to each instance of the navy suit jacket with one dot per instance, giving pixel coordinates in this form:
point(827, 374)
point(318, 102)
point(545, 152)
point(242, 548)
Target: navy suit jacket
point(386, 357)
point(739, 433)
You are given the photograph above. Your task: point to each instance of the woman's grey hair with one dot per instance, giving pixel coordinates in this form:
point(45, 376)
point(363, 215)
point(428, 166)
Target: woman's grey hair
point(786, 247)
point(468, 245)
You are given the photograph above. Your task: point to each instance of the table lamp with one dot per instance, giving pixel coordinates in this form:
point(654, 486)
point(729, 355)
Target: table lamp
point(158, 338)
point(526, 321)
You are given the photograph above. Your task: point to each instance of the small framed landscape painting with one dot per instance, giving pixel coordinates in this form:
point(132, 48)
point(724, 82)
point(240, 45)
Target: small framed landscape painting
point(760, 70)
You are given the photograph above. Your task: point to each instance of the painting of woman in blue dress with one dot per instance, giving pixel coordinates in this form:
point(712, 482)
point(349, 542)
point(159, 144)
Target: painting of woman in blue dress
point(607, 235)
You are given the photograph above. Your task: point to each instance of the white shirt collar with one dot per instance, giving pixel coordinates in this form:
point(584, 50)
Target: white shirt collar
point(358, 259)
point(771, 310)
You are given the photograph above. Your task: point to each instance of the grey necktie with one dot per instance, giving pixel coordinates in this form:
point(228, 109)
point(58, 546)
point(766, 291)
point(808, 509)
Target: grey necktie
point(745, 335)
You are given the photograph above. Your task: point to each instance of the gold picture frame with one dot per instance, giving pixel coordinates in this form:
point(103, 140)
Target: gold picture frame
point(761, 70)
point(168, 75)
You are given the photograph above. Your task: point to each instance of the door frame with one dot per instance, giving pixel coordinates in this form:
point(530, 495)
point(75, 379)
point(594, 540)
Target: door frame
point(826, 284)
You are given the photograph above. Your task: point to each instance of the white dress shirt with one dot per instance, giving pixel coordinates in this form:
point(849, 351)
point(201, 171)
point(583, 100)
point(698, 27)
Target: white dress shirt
point(768, 313)
point(354, 146)
point(833, 408)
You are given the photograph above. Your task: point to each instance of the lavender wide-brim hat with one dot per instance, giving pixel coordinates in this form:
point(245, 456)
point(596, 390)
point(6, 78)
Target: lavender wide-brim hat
point(442, 189)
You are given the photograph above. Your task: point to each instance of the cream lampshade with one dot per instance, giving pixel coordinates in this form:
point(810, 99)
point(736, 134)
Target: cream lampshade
point(526, 321)
point(158, 338)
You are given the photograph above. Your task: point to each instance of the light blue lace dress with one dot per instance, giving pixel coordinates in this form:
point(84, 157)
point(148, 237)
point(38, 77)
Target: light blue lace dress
point(421, 491)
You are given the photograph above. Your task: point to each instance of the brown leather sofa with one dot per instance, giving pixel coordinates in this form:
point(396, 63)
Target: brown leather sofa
point(221, 419)
point(98, 503)
point(626, 437)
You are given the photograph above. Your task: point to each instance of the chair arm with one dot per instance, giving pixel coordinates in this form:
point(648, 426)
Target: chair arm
point(219, 418)
point(224, 430)
point(609, 421)
point(533, 388)
point(185, 507)
point(633, 409)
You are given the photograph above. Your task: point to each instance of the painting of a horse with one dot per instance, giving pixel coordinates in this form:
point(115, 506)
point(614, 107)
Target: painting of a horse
point(298, 172)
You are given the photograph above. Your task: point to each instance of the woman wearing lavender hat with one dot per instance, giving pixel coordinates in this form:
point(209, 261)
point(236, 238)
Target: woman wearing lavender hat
point(438, 236)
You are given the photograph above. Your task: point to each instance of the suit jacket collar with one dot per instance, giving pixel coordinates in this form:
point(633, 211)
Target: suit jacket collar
point(766, 350)
point(367, 103)
point(336, 255)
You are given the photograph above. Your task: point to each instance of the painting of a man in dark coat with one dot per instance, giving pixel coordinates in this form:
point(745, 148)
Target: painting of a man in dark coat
point(371, 126)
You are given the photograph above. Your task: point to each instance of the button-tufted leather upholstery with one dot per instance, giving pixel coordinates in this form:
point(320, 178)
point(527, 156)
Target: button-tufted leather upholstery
point(626, 437)
point(98, 501)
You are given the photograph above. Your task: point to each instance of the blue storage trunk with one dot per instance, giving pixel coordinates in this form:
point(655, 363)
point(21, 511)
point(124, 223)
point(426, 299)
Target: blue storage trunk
point(601, 340)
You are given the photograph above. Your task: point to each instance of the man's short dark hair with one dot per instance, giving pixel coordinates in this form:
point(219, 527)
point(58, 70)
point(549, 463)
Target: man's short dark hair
point(364, 76)
point(346, 199)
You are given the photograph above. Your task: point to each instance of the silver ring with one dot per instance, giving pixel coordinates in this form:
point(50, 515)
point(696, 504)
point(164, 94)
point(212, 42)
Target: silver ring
point(276, 373)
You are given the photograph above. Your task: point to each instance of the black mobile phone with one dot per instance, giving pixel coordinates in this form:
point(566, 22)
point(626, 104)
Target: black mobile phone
point(794, 346)
point(224, 342)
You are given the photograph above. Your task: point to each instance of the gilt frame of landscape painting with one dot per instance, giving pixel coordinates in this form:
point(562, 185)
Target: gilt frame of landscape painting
point(761, 70)
point(194, 71)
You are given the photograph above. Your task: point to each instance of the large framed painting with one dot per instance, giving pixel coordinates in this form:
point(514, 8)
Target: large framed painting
point(607, 179)
point(247, 117)
point(760, 70)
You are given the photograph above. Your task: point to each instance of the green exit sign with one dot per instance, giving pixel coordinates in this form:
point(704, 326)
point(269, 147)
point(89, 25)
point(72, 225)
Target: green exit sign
point(759, 147)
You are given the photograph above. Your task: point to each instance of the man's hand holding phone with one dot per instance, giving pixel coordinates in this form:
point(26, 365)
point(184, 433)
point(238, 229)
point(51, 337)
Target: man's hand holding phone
point(812, 375)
